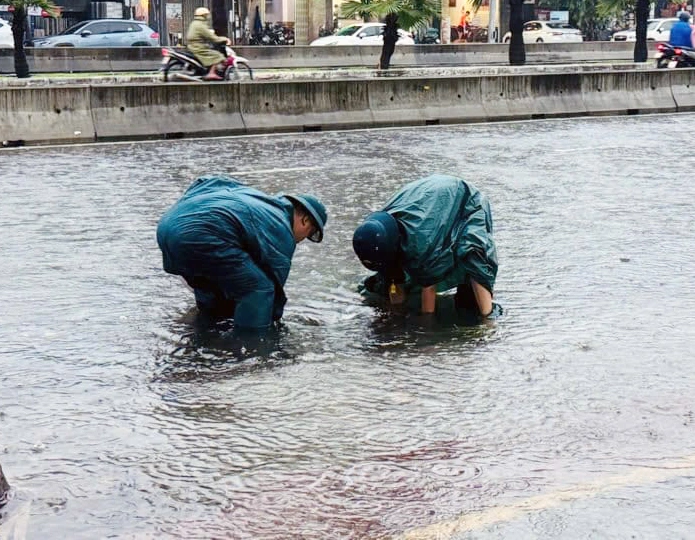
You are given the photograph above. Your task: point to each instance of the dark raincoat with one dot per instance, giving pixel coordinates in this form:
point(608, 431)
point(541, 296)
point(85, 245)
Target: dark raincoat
point(234, 245)
point(446, 235)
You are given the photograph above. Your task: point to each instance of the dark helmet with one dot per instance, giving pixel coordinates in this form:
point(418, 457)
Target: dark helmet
point(376, 241)
point(316, 210)
point(684, 16)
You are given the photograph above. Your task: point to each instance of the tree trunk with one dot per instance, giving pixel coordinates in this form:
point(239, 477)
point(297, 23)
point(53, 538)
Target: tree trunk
point(220, 18)
point(390, 38)
point(517, 52)
point(19, 24)
point(4, 489)
point(641, 16)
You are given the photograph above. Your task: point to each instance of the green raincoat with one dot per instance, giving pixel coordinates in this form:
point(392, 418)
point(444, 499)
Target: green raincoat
point(446, 235)
point(199, 38)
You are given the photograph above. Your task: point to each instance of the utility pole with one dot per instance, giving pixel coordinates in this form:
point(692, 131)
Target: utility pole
point(445, 23)
point(492, 22)
point(163, 30)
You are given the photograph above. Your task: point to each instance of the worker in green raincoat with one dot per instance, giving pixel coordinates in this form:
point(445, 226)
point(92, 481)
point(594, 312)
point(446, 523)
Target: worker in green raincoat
point(233, 245)
point(200, 37)
point(434, 234)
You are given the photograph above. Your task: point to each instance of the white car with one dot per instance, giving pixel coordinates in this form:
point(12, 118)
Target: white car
point(362, 34)
point(657, 30)
point(548, 32)
point(6, 39)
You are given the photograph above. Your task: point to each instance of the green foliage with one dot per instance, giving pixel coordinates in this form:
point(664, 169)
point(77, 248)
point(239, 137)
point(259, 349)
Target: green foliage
point(475, 4)
point(589, 15)
point(411, 14)
point(608, 9)
point(356, 9)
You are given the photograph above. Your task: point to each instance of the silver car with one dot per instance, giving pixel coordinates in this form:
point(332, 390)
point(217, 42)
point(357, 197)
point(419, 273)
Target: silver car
point(103, 33)
point(6, 39)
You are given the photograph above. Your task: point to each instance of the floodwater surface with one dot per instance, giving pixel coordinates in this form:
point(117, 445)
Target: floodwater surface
point(123, 414)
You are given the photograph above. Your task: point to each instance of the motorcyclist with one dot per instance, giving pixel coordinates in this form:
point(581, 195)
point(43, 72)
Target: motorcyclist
point(681, 32)
point(198, 39)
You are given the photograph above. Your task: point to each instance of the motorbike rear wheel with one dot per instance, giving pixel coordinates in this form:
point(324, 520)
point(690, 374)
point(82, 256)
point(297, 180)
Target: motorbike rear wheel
point(242, 72)
point(662, 63)
point(175, 66)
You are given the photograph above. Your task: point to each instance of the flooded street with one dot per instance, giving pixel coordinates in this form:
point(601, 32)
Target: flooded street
point(124, 415)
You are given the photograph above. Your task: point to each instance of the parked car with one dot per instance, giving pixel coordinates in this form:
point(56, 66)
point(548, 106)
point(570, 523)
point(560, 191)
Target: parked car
point(6, 39)
point(657, 30)
point(362, 34)
point(548, 32)
point(103, 33)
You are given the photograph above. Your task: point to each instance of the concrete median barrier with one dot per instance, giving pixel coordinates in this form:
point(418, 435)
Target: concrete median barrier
point(165, 111)
point(135, 59)
point(468, 54)
point(425, 101)
point(530, 96)
point(557, 95)
point(625, 92)
point(45, 115)
point(507, 97)
point(304, 105)
point(78, 113)
point(682, 82)
point(82, 60)
point(68, 60)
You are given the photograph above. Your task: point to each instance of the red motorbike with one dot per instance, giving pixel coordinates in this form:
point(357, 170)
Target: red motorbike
point(182, 65)
point(668, 56)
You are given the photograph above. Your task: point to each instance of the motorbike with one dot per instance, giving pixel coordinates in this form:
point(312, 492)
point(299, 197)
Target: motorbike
point(273, 34)
point(477, 34)
point(324, 32)
point(668, 56)
point(289, 35)
point(182, 65)
point(430, 37)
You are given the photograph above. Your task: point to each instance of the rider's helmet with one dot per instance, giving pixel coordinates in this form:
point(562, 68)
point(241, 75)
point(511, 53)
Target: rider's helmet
point(684, 16)
point(201, 12)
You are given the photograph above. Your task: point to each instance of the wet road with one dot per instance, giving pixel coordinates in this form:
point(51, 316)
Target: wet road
point(571, 417)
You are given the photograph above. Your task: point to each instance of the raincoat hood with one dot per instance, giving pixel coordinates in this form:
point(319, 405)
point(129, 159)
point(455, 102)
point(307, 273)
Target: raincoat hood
point(376, 241)
point(446, 236)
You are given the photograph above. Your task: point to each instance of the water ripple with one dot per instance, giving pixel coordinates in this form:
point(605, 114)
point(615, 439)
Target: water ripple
point(125, 413)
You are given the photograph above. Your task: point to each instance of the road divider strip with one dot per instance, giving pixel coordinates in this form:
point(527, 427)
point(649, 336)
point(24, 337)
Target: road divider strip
point(94, 113)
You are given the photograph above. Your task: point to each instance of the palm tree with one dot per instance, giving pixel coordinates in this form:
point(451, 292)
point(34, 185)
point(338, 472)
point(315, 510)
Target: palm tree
point(19, 9)
point(517, 52)
point(407, 14)
point(641, 16)
point(362, 11)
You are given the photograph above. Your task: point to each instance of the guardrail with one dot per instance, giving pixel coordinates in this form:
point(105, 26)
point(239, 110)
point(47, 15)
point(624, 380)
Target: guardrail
point(84, 113)
point(76, 60)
